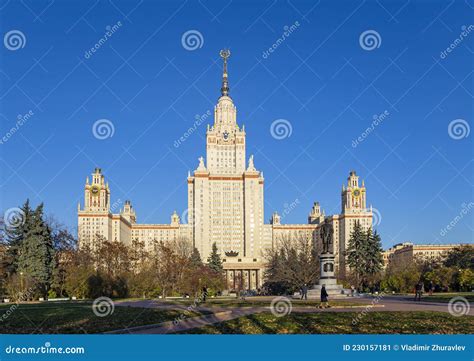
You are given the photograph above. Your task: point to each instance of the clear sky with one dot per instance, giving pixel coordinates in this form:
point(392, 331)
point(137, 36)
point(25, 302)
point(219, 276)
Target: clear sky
point(159, 68)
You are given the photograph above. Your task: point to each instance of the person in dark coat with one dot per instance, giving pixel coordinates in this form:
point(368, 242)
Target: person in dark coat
point(204, 294)
point(304, 292)
point(324, 298)
point(418, 291)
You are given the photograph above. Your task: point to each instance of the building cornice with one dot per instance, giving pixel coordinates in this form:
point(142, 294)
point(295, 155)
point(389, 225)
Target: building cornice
point(153, 226)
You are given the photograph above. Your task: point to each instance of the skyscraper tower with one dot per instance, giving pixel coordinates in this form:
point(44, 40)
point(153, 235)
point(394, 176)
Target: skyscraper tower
point(225, 196)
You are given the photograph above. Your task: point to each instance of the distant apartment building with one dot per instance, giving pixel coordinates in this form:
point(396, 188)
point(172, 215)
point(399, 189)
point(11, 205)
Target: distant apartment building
point(407, 252)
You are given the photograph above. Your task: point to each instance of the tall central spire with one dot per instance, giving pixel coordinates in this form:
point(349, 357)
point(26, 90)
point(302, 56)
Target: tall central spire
point(225, 54)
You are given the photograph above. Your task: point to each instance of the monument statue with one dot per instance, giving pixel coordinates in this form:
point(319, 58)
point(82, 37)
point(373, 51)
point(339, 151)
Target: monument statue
point(326, 233)
point(327, 278)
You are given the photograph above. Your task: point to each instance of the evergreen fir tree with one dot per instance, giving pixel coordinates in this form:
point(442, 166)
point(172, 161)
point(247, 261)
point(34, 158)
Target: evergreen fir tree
point(196, 258)
point(374, 253)
point(364, 254)
point(15, 233)
point(214, 261)
point(356, 252)
point(36, 253)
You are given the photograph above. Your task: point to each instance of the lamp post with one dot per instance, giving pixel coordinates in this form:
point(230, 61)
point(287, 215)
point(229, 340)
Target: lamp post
point(21, 281)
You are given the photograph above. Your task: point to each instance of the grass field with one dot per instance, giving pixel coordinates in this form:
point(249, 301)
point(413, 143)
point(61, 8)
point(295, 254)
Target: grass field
point(77, 317)
point(341, 323)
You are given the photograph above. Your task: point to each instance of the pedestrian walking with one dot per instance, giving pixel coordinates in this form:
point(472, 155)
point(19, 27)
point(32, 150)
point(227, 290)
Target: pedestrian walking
point(418, 291)
point(304, 292)
point(324, 298)
point(431, 288)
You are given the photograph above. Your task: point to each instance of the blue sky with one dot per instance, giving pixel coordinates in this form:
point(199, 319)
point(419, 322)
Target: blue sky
point(323, 79)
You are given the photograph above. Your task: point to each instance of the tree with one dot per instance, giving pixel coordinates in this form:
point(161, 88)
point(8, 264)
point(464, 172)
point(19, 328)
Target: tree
point(461, 257)
point(373, 253)
point(3, 269)
point(401, 276)
point(276, 282)
point(138, 255)
point(214, 260)
point(113, 258)
point(465, 280)
point(295, 264)
point(356, 253)
point(65, 245)
point(439, 275)
point(196, 258)
point(166, 266)
point(35, 257)
point(364, 255)
point(16, 229)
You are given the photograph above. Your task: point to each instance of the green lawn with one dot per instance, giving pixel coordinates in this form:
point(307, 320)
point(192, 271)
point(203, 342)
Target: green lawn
point(77, 317)
point(341, 323)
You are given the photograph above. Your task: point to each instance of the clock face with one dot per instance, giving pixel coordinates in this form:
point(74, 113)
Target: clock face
point(225, 135)
point(95, 190)
point(356, 192)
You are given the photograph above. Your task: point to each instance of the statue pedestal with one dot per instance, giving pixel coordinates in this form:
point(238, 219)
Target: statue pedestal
point(326, 278)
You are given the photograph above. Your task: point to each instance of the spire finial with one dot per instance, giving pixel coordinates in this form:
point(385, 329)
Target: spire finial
point(225, 54)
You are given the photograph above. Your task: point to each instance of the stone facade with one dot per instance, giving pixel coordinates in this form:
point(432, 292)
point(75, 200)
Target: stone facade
point(225, 206)
point(404, 253)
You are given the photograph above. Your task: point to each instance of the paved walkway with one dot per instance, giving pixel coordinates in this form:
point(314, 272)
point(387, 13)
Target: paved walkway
point(217, 314)
point(189, 323)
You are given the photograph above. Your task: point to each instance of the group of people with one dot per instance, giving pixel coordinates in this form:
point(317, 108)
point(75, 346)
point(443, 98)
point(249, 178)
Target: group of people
point(324, 296)
point(420, 288)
